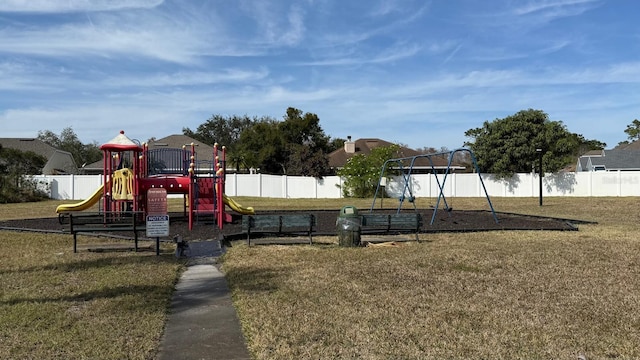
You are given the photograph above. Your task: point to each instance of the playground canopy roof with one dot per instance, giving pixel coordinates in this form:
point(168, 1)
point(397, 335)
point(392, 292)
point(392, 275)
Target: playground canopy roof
point(121, 143)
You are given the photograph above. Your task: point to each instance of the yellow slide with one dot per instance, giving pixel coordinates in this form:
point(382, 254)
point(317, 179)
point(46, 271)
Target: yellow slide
point(84, 204)
point(237, 207)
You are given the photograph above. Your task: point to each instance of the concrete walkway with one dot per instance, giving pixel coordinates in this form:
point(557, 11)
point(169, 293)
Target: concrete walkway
point(203, 323)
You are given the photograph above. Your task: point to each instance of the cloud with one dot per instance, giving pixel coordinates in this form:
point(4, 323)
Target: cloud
point(183, 38)
point(188, 78)
point(67, 6)
point(394, 53)
point(556, 7)
point(271, 29)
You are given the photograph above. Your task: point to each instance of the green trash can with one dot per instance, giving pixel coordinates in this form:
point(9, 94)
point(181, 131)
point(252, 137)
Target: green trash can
point(348, 226)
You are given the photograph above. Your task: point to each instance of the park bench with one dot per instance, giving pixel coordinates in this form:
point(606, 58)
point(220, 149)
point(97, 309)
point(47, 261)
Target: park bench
point(102, 222)
point(279, 225)
point(409, 222)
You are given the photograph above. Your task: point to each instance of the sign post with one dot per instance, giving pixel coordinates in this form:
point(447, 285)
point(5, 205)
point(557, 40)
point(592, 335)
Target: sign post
point(157, 217)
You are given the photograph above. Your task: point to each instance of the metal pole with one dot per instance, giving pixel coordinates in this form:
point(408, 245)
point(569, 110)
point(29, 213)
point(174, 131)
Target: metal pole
point(539, 151)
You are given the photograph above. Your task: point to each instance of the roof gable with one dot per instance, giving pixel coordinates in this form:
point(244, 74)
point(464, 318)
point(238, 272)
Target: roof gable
point(177, 141)
point(616, 159)
point(29, 144)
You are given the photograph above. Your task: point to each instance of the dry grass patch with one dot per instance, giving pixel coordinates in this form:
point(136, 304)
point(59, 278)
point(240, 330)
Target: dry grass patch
point(509, 294)
point(55, 304)
point(516, 294)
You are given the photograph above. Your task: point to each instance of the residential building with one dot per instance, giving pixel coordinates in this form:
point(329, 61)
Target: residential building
point(618, 159)
point(58, 161)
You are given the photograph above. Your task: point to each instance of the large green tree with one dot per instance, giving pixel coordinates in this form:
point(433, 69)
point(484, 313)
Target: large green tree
point(306, 144)
point(507, 146)
point(69, 141)
point(263, 147)
point(361, 173)
point(295, 146)
point(15, 183)
point(225, 131)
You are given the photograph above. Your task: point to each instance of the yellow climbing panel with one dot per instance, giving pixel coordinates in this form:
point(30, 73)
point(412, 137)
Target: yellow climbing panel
point(122, 188)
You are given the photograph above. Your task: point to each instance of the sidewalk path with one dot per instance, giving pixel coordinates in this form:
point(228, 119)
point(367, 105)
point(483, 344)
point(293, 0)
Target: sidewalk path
point(203, 323)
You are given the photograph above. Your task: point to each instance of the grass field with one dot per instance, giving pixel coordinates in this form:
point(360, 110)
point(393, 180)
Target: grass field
point(492, 295)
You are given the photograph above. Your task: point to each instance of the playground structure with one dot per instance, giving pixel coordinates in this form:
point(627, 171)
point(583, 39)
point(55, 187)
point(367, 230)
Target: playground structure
point(130, 170)
point(405, 171)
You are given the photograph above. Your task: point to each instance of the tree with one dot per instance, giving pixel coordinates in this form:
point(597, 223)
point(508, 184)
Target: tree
point(295, 146)
point(507, 146)
point(15, 183)
point(306, 144)
point(362, 172)
point(336, 143)
point(69, 141)
point(263, 147)
point(633, 130)
point(225, 131)
point(588, 145)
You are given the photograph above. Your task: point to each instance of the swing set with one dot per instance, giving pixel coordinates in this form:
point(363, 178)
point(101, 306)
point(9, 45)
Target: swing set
point(406, 176)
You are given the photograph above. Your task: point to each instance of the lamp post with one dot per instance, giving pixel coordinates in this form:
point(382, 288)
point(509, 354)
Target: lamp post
point(539, 151)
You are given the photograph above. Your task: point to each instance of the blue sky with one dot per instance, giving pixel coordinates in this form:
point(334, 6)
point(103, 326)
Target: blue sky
point(418, 73)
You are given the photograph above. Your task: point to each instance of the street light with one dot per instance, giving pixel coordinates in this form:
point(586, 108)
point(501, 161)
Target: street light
point(539, 151)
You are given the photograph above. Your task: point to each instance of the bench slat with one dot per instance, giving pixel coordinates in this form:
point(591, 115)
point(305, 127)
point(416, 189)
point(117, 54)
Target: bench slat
point(278, 224)
point(390, 222)
point(104, 222)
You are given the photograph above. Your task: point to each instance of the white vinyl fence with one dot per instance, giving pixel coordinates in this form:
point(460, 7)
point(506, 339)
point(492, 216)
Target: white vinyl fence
point(601, 183)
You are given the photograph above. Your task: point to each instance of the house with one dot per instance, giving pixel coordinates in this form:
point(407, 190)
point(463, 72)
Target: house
point(619, 159)
point(58, 161)
point(422, 165)
point(204, 152)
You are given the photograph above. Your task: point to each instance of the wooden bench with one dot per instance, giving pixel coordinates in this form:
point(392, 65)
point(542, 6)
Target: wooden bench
point(391, 222)
point(279, 224)
point(102, 223)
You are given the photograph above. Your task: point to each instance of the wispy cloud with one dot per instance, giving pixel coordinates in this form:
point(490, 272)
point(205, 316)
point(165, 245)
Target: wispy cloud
point(272, 28)
point(498, 54)
point(452, 53)
point(52, 6)
point(556, 7)
point(182, 38)
point(188, 78)
point(395, 53)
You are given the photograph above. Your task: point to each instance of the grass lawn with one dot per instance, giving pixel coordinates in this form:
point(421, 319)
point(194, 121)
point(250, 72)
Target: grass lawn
point(509, 295)
point(493, 295)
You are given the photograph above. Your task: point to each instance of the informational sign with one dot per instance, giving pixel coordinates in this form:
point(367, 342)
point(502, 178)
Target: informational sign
point(157, 225)
point(157, 217)
point(157, 201)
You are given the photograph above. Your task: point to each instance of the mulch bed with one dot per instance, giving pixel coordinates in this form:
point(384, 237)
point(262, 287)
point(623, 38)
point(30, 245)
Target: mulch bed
point(453, 221)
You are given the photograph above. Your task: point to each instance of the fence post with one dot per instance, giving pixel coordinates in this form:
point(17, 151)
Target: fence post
point(285, 186)
point(72, 184)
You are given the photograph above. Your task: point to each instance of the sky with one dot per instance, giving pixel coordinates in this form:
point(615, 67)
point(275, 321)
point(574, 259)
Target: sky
point(414, 72)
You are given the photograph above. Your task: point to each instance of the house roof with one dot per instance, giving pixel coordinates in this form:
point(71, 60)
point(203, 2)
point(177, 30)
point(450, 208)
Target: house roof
point(30, 144)
point(58, 161)
point(616, 159)
point(339, 158)
point(177, 141)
